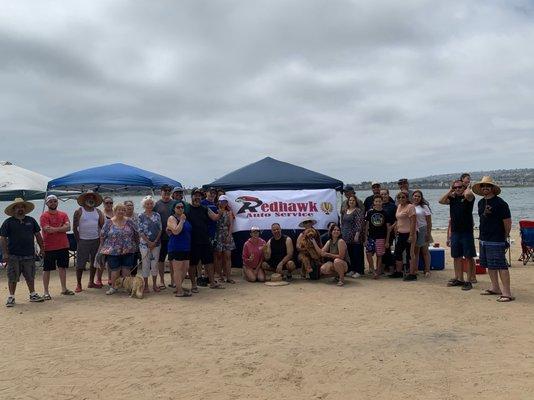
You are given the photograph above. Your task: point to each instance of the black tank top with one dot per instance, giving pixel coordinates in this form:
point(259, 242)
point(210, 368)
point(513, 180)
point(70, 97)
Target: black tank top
point(278, 249)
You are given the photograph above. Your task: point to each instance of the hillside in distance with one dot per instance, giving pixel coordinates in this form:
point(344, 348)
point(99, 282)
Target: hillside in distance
point(504, 177)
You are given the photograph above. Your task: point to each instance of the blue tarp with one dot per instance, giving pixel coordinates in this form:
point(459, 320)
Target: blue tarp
point(271, 174)
point(111, 178)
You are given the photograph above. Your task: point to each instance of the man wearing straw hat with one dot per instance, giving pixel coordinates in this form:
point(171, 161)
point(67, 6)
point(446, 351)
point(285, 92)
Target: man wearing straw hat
point(17, 237)
point(55, 225)
point(87, 223)
point(495, 226)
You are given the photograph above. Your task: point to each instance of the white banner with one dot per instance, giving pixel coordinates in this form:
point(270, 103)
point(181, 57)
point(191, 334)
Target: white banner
point(287, 207)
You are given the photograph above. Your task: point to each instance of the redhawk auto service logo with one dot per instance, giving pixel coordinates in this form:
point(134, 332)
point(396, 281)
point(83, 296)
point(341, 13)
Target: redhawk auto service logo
point(255, 208)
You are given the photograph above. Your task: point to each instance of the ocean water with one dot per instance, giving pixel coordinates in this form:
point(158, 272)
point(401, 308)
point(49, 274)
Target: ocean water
point(520, 200)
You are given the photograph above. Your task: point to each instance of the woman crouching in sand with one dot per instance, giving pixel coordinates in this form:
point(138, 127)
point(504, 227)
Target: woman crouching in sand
point(335, 251)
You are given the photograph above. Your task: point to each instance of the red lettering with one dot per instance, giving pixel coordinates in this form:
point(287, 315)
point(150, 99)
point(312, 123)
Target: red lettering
point(313, 206)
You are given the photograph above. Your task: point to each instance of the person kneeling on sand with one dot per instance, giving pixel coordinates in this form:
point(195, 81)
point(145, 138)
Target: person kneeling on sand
point(253, 257)
point(278, 253)
point(335, 251)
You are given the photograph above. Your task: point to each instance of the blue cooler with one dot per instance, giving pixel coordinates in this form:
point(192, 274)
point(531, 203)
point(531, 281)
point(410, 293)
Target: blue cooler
point(437, 259)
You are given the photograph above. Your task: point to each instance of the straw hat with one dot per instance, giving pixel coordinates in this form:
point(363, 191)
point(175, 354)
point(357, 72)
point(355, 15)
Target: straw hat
point(276, 280)
point(83, 196)
point(28, 207)
point(486, 181)
point(313, 221)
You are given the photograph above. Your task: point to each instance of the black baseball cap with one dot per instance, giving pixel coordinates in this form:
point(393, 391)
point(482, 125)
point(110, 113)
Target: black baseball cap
point(196, 190)
point(402, 180)
point(166, 188)
point(348, 188)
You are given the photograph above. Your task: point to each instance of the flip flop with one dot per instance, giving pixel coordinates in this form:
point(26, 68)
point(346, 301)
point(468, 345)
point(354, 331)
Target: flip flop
point(162, 287)
point(340, 284)
point(68, 293)
point(184, 294)
point(489, 292)
point(230, 281)
point(194, 290)
point(505, 299)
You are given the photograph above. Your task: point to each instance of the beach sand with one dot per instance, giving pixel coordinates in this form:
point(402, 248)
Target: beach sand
point(382, 339)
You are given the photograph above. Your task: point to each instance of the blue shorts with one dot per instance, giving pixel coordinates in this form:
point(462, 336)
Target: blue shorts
point(492, 255)
point(121, 261)
point(463, 245)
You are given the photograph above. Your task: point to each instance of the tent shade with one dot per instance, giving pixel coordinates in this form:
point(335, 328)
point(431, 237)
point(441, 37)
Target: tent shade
point(111, 178)
point(271, 174)
point(19, 182)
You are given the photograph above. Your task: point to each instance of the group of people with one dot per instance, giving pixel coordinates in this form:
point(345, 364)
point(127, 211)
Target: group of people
point(199, 234)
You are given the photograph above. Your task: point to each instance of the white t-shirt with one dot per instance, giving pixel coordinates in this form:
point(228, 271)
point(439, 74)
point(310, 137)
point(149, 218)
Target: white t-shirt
point(421, 212)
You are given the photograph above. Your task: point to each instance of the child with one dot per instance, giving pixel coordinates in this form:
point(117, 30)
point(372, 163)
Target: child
point(377, 228)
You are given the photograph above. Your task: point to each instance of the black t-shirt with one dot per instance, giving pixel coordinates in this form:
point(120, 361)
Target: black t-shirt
point(378, 221)
point(391, 210)
point(492, 212)
point(461, 212)
point(368, 202)
point(199, 219)
point(20, 234)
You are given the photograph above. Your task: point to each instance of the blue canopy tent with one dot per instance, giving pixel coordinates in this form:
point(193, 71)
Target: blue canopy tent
point(271, 174)
point(111, 178)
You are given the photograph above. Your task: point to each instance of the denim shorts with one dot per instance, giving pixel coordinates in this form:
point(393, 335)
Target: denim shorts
point(463, 245)
point(121, 261)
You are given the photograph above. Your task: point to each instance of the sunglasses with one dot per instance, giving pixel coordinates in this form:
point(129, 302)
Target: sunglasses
point(108, 202)
point(179, 207)
point(458, 187)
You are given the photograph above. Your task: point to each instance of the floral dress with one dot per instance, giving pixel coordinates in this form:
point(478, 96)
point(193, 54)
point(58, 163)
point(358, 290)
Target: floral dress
point(224, 240)
point(352, 224)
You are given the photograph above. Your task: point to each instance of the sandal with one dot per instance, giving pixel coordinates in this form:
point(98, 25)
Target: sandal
point(489, 292)
point(156, 289)
point(68, 292)
point(231, 281)
point(340, 284)
point(505, 299)
point(162, 287)
point(455, 282)
point(46, 296)
point(171, 285)
point(216, 286)
point(194, 290)
point(184, 294)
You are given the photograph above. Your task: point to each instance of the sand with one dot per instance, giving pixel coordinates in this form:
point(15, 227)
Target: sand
point(371, 339)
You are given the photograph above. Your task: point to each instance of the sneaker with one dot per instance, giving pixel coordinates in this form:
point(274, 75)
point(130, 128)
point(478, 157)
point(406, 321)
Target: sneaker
point(350, 274)
point(10, 302)
point(111, 291)
point(395, 274)
point(467, 286)
point(356, 275)
point(455, 282)
point(35, 298)
point(410, 277)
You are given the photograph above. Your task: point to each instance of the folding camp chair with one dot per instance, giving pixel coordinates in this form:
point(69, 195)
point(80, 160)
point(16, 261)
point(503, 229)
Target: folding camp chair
point(526, 228)
point(73, 245)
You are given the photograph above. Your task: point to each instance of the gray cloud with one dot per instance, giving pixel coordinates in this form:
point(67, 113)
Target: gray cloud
point(194, 89)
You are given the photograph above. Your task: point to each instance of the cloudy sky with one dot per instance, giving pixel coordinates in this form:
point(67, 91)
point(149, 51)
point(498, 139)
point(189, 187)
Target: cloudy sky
point(357, 90)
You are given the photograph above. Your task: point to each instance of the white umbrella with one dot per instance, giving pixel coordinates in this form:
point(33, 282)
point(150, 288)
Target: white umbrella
point(19, 182)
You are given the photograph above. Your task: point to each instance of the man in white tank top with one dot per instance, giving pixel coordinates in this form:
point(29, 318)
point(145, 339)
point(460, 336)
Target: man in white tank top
point(87, 223)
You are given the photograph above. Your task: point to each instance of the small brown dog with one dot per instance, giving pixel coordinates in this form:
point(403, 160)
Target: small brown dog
point(308, 254)
point(133, 285)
